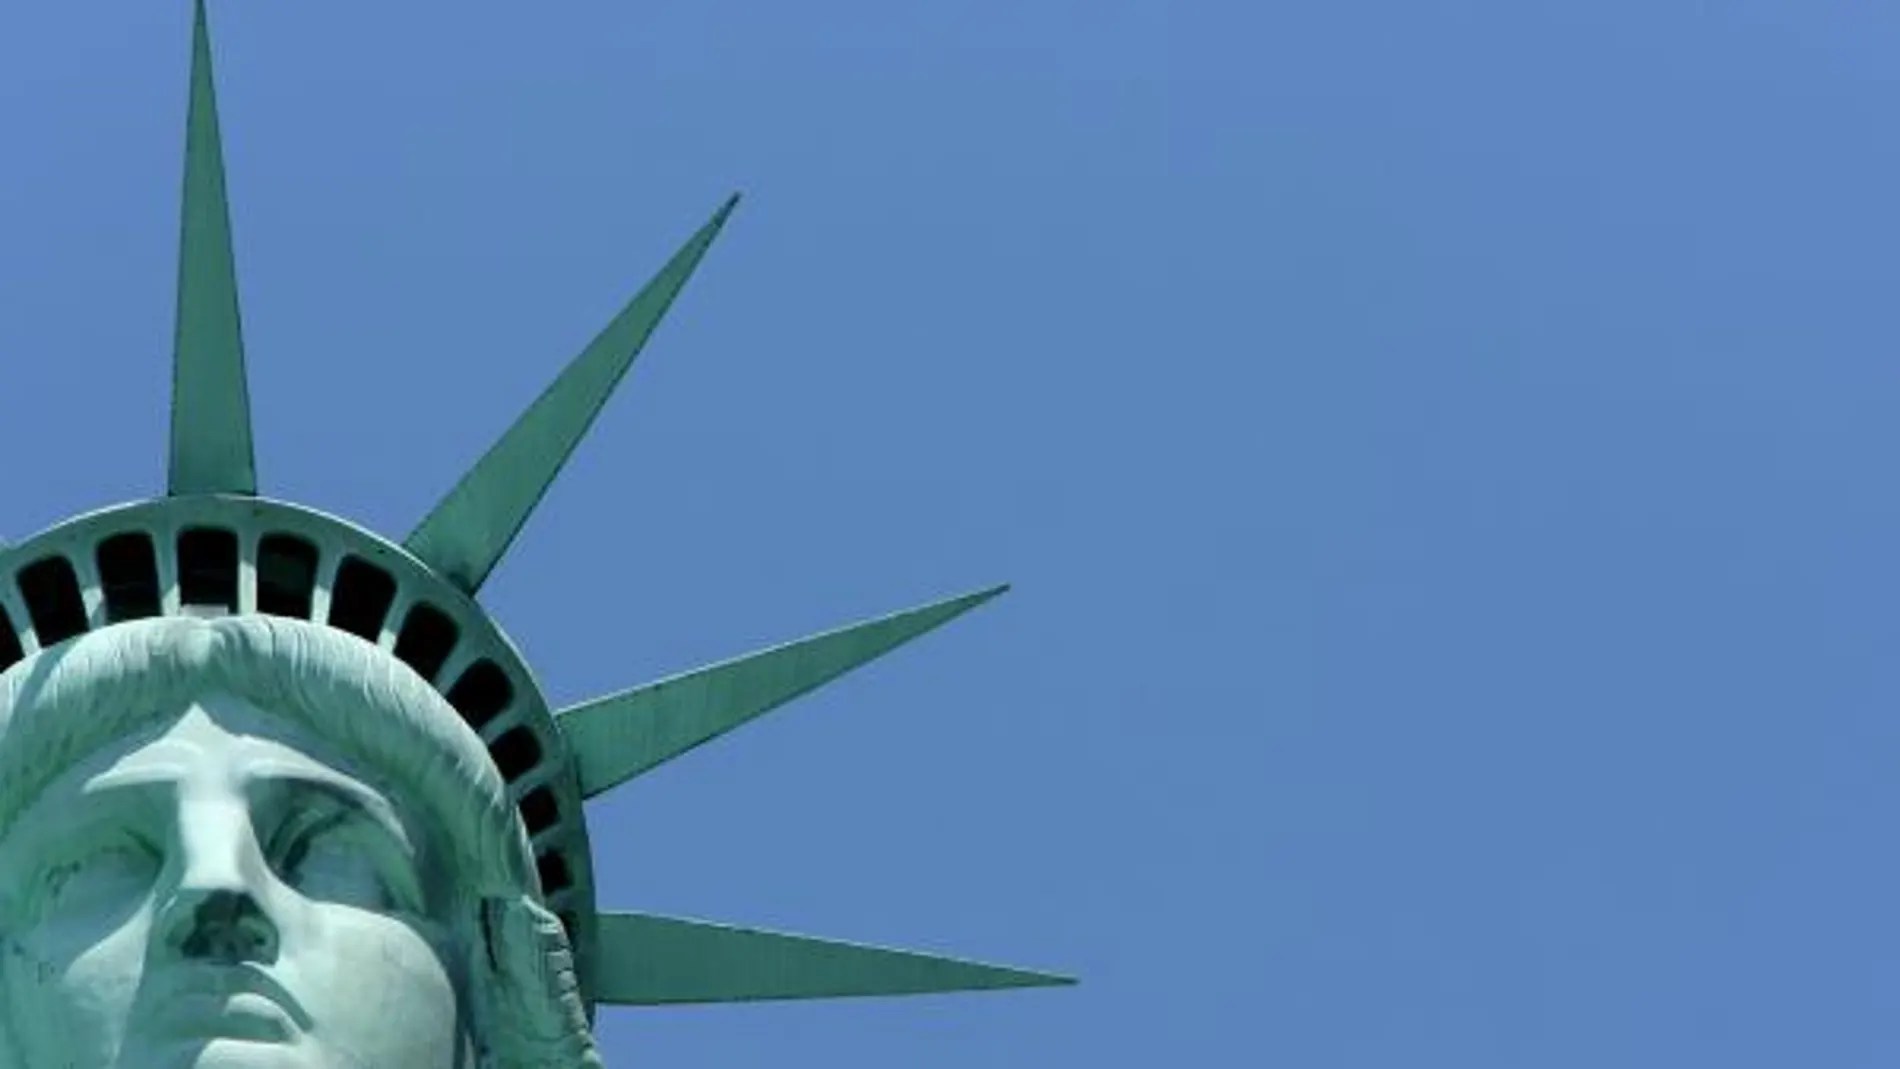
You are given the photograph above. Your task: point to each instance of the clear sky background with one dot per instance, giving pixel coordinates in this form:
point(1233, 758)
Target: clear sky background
point(1445, 453)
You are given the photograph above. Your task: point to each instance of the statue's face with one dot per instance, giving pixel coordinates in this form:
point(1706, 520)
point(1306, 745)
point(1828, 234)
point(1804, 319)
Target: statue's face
point(222, 894)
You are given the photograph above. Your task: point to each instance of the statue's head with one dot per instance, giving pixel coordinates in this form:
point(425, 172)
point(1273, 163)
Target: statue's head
point(259, 841)
point(276, 791)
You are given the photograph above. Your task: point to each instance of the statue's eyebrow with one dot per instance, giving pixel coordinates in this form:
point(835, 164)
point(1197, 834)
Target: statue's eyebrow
point(146, 768)
point(115, 794)
point(121, 781)
point(153, 773)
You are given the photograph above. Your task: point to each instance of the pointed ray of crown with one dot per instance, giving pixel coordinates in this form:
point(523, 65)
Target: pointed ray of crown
point(211, 403)
point(213, 546)
point(467, 533)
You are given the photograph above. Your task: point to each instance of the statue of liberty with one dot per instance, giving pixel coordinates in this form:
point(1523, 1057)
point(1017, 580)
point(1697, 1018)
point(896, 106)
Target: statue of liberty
point(276, 791)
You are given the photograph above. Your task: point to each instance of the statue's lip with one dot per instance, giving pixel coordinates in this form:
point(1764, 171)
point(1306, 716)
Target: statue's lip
point(235, 1002)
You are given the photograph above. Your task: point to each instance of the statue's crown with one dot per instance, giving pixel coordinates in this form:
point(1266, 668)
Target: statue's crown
point(205, 555)
point(213, 547)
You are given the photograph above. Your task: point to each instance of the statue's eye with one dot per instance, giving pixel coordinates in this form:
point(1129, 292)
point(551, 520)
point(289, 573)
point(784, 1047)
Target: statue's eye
point(107, 875)
point(340, 856)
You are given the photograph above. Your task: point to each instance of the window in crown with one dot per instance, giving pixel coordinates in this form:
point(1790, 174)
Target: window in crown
point(539, 810)
point(481, 694)
point(128, 574)
point(286, 575)
point(515, 752)
point(208, 569)
point(426, 640)
point(361, 598)
point(51, 591)
point(554, 875)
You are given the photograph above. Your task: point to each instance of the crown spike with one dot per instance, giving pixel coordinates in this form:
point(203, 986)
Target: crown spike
point(211, 450)
point(469, 530)
point(648, 960)
point(618, 737)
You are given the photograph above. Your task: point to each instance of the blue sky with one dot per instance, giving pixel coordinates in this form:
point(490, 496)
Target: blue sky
point(1444, 452)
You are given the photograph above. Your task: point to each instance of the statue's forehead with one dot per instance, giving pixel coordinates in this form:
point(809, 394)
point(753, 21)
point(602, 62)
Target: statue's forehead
point(224, 740)
point(218, 743)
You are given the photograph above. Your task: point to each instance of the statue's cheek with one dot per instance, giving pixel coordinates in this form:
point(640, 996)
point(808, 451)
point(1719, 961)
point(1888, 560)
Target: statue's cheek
point(68, 995)
point(106, 939)
point(108, 935)
point(379, 992)
point(99, 890)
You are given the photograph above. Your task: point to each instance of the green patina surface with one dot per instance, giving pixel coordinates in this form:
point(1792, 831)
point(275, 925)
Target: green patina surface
point(471, 528)
point(620, 736)
point(211, 404)
point(658, 961)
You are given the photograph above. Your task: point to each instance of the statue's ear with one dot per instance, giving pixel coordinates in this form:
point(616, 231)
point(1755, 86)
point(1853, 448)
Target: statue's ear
point(528, 994)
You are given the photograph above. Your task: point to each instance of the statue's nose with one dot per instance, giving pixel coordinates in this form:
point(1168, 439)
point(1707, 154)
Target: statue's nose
point(215, 913)
point(224, 926)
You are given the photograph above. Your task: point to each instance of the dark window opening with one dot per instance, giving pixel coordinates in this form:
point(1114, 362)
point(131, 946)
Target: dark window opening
point(128, 572)
point(286, 575)
point(10, 651)
point(51, 590)
point(515, 753)
point(426, 640)
point(481, 693)
point(554, 874)
point(208, 568)
point(539, 810)
point(361, 598)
